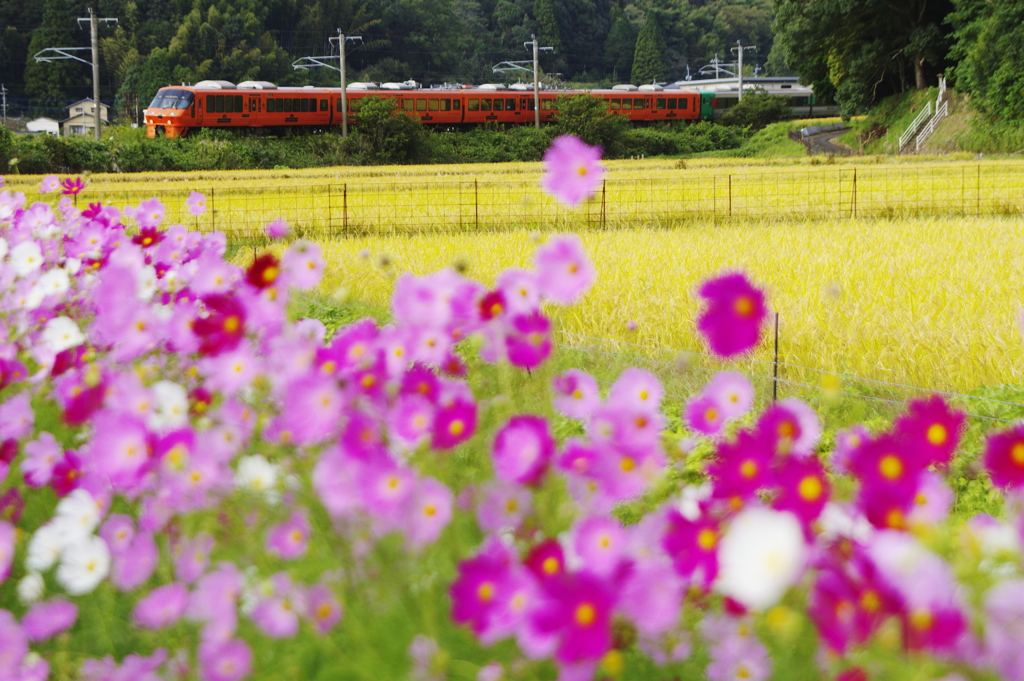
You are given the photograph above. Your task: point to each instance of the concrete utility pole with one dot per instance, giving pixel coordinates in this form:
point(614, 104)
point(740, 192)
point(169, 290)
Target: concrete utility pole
point(65, 53)
point(311, 62)
point(739, 71)
point(536, 81)
point(3, 93)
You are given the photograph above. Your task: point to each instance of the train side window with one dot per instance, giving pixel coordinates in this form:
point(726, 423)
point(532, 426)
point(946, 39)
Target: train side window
point(456, 105)
point(287, 105)
point(211, 103)
point(684, 103)
point(280, 106)
point(510, 105)
point(446, 105)
point(229, 104)
point(531, 105)
point(499, 105)
point(200, 103)
point(432, 105)
point(421, 105)
point(660, 104)
point(627, 104)
point(485, 105)
point(671, 102)
point(238, 104)
point(323, 105)
point(304, 105)
point(296, 105)
point(408, 104)
point(220, 103)
point(547, 105)
point(638, 104)
point(337, 105)
point(474, 104)
point(252, 104)
point(616, 104)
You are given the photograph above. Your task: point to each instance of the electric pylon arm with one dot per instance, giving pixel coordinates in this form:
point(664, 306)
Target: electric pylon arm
point(506, 66)
point(61, 53)
point(313, 62)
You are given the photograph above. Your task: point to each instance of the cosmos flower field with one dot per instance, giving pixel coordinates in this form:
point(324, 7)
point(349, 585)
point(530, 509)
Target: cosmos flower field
point(198, 483)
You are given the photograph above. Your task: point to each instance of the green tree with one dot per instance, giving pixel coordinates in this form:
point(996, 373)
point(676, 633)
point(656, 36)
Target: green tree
point(63, 79)
point(989, 49)
point(548, 32)
point(385, 135)
point(650, 55)
point(862, 50)
point(589, 119)
point(757, 110)
point(619, 48)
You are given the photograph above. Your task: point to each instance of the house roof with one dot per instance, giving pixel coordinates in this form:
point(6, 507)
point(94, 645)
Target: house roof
point(102, 105)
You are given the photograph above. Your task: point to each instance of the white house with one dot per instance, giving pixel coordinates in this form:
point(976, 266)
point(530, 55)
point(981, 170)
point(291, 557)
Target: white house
point(44, 125)
point(81, 118)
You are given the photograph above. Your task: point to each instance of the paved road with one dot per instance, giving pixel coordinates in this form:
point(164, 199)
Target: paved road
point(823, 143)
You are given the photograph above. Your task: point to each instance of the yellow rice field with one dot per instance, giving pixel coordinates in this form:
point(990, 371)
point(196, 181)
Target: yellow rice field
point(928, 302)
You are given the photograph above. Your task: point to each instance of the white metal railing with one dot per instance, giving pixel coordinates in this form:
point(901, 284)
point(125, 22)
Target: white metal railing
point(928, 129)
point(942, 93)
point(917, 123)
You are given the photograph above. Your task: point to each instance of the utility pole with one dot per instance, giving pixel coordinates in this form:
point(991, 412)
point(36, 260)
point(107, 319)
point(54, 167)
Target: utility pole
point(311, 62)
point(536, 81)
point(65, 53)
point(739, 71)
point(3, 93)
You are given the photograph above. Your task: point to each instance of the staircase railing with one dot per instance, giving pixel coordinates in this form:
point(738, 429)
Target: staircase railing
point(915, 125)
point(928, 129)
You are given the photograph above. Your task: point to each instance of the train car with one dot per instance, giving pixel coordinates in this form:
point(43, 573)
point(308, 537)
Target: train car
point(260, 105)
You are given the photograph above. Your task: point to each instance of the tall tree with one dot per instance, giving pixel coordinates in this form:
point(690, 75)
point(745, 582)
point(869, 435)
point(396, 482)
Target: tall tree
point(861, 50)
point(57, 80)
point(548, 32)
point(989, 48)
point(619, 47)
point(650, 56)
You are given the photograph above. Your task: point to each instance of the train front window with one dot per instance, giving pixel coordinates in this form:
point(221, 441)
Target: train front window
point(172, 99)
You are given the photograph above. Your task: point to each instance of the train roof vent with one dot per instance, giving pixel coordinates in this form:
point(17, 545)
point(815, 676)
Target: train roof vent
point(404, 85)
point(520, 86)
point(492, 86)
point(215, 85)
point(624, 86)
point(361, 86)
point(651, 87)
point(256, 85)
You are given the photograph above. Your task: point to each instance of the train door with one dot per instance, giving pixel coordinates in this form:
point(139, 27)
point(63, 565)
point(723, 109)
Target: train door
point(252, 110)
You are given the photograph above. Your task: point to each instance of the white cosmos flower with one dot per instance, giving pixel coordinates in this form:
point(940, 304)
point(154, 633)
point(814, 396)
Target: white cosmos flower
point(761, 555)
point(26, 258)
point(78, 514)
point(146, 281)
point(171, 409)
point(54, 282)
point(44, 548)
point(83, 565)
point(61, 333)
point(72, 266)
point(257, 474)
point(4, 248)
point(31, 587)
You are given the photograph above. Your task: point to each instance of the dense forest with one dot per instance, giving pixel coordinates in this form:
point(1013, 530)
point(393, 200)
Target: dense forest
point(856, 51)
point(157, 42)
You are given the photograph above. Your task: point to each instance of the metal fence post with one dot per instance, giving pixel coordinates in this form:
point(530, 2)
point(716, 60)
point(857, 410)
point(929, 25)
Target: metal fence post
point(604, 187)
point(775, 370)
point(853, 207)
point(213, 212)
point(344, 206)
point(730, 196)
point(330, 221)
point(476, 203)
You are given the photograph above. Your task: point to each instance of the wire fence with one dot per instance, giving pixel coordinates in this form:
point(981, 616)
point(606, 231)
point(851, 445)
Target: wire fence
point(683, 373)
point(340, 209)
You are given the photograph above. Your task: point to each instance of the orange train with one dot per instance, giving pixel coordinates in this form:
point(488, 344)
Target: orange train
point(175, 111)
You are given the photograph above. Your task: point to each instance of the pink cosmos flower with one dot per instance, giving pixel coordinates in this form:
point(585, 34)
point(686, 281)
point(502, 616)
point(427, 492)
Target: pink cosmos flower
point(17, 417)
point(323, 607)
point(196, 203)
point(520, 293)
point(1004, 457)
point(803, 488)
point(46, 619)
point(742, 468)
point(223, 327)
point(71, 187)
point(528, 342)
point(134, 566)
point(932, 502)
point(225, 661)
point(564, 272)
point(733, 392)
point(523, 447)
point(704, 414)
point(1004, 630)
point(572, 169)
point(192, 557)
point(576, 394)
point(41, 455)
point(163, 606)
point(289, 539)
point(792, 426)
point(731, 322)
point(693, 547)
point(480, 582)
point(67, 474)
point(847, 442)
point(303, 264)
point(7, 536)
point(652, 597)
point(49, 184)
point(150, 213)
point(430, 511)
point(13, 645)
point(277, 229)
point(600, 542)
point(503, 506)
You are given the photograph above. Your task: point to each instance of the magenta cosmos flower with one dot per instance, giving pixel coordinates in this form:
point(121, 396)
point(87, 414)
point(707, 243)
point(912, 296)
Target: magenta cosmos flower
point(731, 323)
point(572, 169)
point(71, 187)
point(1004, 457)
point(932, 427)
